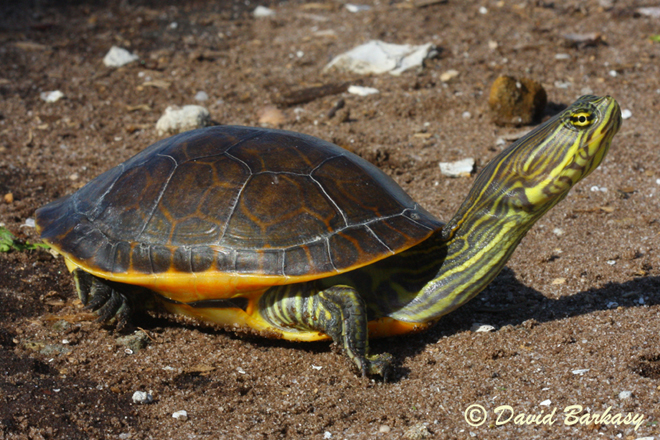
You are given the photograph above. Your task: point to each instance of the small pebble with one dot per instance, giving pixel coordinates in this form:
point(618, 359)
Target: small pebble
point(492, 45)
point(270, 115)
point(460, 168)
point(29, 222)
point(641, 300)
point(117, 57)
point(612, 305)
point(384, 429)
point(626, 114)
point(611, 262)
point(135, 342)
point(625, 394)
point(613, 73)
point(180, 415)
point(262, 11)
point(580, 371)
point(448, 75)
point(362, 91)
point(481, 328)
point(52, 96)
point(417, 432)
point(174, 25)
point(657, 181)
point(74, 176)
point(562, 56)
point(546, 403)
point(558, 281)
point(558, 232)
point(327, 435)
point(201, 96)
point(9, 198)
point(466, 115)
point(356, 8)
point(316, 367)
point(178, 119)
point(142, 397)
point(483, 10)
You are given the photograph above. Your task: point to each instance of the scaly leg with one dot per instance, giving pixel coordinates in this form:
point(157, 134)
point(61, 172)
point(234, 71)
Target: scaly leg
point(339, 311)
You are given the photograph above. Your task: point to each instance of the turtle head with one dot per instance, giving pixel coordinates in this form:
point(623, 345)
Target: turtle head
point(533, 174)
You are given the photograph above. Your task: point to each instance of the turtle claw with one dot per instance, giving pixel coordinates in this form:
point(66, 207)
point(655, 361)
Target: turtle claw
point(379, 364)
point(98, 296)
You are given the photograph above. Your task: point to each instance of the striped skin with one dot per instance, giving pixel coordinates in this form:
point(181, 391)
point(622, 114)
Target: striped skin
point(511, 193)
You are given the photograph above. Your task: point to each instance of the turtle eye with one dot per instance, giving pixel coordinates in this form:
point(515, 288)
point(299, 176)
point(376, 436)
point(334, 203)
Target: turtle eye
point(582, 119)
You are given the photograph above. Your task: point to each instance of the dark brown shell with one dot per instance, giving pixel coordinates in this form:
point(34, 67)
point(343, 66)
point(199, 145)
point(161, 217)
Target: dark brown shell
point(236, 200)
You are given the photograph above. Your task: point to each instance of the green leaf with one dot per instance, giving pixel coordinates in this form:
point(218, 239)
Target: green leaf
point(8, 242)
point(655, 38)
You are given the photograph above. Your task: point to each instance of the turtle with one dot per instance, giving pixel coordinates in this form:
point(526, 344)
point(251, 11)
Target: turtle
point(293, 237)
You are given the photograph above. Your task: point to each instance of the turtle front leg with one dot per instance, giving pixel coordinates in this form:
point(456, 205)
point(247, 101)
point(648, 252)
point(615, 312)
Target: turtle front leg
point(99, 295)
point(339, 311)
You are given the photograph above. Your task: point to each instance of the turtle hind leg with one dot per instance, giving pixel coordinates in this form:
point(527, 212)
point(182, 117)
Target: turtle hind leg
point(101, 296)
point(339, 311)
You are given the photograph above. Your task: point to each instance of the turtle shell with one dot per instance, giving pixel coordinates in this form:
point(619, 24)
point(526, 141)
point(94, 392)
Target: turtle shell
point(223, 210)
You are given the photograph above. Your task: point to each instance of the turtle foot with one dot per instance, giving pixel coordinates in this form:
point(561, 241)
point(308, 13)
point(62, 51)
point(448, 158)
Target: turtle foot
point(378, 364)
point(98, 295)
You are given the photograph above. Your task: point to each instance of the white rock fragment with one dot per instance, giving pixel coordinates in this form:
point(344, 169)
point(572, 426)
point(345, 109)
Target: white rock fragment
point(448, 75)
point(262, 11)
point(481, 328)
point(460, 168)
point(657, 181)
point(327, 435)
point(356, 8)
point(52, 96)
point(597, 188)
point(178, 119)
point(117, 57)
point(483, 10)
point(613, 73)
point(626, 114)
point(580, 371)
point(379, 57)
point(466, 115)
point(142, 397)
point(316, 367)
point(611, 262)
point(558, 232)
point(29, 223)
point(625, 395)
point(650, 12)
point(562, 56)
point(362, 91)
point(201, 96)
point(546, 402)
point(180, 415)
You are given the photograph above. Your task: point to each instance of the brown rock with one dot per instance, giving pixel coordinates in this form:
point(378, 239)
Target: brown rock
point(516, 101)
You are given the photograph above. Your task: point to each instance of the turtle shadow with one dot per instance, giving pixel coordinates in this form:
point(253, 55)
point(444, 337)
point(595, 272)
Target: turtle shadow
point(506, 301)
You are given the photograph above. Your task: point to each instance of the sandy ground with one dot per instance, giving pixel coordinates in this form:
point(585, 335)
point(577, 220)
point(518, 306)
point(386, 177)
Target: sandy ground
point(575, 312)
